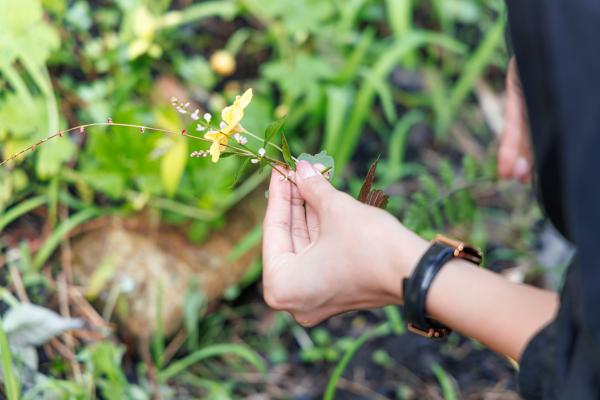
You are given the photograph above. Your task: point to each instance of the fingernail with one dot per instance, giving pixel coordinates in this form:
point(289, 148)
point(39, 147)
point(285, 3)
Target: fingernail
point(521, 168)
point(305, 170)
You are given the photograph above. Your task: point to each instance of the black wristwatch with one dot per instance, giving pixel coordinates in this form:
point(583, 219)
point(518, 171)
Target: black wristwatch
point(415, 288)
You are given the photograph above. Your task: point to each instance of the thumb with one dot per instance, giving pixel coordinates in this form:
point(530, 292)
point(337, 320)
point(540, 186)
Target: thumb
point(313, 187)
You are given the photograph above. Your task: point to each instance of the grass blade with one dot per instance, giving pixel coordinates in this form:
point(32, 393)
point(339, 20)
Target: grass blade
point(59, 234)
point(448, 389)
point(382, 68)
point(11, 384)
point(395, 319)
point(195, 12)
point(338, 102)
point(21, 209)
point(473, 69)
point(216, 350)
point(341, 367)
point(399, 13)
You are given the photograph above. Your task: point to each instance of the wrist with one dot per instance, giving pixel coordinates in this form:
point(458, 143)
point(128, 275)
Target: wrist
point(404, 254)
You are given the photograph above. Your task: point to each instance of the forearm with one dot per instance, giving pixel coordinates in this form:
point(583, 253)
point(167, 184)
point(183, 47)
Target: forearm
point(487, 307)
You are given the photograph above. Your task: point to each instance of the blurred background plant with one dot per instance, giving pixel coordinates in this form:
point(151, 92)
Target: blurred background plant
point(418, 82)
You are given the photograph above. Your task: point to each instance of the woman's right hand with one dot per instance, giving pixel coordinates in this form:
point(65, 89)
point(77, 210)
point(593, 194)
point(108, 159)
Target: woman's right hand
point(325, 253)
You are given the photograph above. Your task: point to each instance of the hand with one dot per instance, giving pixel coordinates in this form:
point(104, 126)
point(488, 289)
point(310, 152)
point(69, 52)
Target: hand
point(325, 253)
point(515, 158)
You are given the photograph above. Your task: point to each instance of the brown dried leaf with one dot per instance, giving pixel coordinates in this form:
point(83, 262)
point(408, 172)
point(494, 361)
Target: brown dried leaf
point(376, 198)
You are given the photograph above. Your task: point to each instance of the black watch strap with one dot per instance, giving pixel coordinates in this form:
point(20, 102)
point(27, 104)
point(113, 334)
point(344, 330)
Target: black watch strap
point(416, 287)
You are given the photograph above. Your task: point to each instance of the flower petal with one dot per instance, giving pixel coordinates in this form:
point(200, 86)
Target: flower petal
point(245, 99)
point(215, 151)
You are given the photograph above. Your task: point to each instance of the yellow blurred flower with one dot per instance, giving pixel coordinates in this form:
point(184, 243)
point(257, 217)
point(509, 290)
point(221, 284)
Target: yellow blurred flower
point(219, 139)
point(223, 63)
point(231, 117)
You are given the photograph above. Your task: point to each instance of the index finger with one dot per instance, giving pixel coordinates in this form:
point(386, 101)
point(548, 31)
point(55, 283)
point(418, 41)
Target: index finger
point(277, 226)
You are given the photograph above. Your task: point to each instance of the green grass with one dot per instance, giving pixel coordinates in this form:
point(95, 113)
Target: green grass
point(11, 383)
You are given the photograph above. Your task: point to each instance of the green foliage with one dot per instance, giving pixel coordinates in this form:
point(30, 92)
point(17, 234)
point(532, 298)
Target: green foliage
point(103, 361)
point(30, 111)
point(9, 379)
point(445, 198)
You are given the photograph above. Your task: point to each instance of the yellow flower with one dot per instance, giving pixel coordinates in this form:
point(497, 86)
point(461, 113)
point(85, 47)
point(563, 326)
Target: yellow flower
point(231, 117)
point(219, 139)
point(233, 114)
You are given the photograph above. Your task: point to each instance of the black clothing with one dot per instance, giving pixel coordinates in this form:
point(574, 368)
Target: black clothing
point(557, 46)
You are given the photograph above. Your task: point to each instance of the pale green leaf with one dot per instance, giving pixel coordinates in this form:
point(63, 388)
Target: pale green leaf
point(173, 164)
point(321, 158)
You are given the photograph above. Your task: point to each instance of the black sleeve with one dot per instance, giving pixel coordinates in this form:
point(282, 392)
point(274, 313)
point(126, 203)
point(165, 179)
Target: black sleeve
point(557, 46)
point(535, 362)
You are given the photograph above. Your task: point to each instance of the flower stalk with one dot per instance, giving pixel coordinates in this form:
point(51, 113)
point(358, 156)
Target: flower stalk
point(229, 138)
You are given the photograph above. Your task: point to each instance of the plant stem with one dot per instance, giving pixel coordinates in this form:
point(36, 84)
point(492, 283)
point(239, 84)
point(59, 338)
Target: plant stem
point(268, 143)
point(244, 152)
point(81, 129)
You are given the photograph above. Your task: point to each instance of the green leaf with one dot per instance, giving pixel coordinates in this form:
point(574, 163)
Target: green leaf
point(272, 130)
point(104, 361)
point(321, 158)
point(240, 172)
point(108, 182)
point(23, 30)
point(261, 165)
point(172, 166)
point(287, 156)
point(51, 157)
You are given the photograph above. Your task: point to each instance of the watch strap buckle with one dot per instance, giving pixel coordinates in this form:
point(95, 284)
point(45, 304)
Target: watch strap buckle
point(430, 333)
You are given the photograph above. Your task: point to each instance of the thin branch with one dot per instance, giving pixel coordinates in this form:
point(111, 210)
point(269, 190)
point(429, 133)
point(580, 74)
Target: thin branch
point(81, 130)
